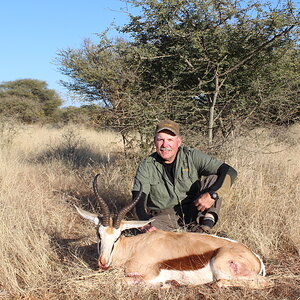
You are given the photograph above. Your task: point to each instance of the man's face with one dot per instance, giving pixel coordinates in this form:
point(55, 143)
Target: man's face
point(167, 145)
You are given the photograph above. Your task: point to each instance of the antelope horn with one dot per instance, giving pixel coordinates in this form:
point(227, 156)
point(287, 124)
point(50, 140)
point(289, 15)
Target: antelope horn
point(126, 209)
point(101, 202)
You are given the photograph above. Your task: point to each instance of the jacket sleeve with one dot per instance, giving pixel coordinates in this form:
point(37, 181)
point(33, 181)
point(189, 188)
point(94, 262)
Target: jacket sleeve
point(142, 176)
point(226, 176)
point(207, 165)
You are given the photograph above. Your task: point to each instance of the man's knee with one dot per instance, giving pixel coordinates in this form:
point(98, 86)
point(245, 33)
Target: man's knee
point(165, 219)
point(208, 182)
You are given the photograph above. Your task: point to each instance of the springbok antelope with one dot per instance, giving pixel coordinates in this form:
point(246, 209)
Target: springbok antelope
point(165, 258)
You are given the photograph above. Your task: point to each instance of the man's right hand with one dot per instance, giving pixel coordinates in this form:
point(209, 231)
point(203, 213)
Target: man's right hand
point(204, 202)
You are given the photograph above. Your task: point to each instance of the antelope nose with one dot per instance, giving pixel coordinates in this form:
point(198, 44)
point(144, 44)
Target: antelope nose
point(102, 263)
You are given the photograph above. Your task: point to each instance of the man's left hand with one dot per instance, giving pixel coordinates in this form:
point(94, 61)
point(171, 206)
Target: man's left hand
point(204, 202)
point(147, 228)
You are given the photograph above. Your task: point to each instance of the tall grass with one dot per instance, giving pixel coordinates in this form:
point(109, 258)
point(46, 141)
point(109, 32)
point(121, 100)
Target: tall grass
point(263, 209)
point(48, 252)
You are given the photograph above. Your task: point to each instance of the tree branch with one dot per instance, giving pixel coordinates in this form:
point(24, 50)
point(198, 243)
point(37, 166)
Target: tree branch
point(252, 53)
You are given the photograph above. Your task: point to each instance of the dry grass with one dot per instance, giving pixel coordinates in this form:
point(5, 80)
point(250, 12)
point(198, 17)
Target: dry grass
point(48, 252)
point(265, 197)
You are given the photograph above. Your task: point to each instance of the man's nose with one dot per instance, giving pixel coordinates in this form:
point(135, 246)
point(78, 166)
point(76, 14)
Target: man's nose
point(165, 144)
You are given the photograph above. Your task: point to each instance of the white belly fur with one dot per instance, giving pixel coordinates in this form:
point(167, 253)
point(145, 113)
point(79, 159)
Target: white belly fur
point(196, 277)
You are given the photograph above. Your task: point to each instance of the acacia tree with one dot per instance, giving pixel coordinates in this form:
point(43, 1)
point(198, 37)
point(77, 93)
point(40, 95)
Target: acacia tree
point(109, 72)
point(196, 62)
point(30, 99)
point(200, 48)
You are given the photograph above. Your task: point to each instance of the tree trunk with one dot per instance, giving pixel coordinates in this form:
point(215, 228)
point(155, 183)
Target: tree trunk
point(211, 120)
point(211, 124)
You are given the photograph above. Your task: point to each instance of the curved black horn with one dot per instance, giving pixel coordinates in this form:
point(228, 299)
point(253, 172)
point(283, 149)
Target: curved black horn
point(126, 209)
point(104, 207)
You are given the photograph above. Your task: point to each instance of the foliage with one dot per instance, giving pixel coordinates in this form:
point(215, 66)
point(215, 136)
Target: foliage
point(27, 111)
point(209, 51)
point(277, 94)
point(29, 99)
point(85, 114)
point(193, 61)
point(109, 73)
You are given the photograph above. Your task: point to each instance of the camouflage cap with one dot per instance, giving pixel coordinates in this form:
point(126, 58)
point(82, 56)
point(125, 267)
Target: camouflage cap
point(167, 125)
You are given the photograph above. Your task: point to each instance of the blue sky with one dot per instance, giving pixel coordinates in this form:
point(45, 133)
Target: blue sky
point(33, 31)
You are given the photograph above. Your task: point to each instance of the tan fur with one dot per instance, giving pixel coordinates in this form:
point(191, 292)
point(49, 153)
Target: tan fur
point(148, 254)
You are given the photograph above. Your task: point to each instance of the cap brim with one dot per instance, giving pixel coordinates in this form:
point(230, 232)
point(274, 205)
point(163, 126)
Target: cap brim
point(167, 128)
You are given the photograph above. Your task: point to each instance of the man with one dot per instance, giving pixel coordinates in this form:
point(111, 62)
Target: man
point(182, 187)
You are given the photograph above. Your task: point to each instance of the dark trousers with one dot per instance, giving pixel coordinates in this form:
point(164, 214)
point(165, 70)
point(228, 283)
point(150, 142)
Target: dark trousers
point(183, 215)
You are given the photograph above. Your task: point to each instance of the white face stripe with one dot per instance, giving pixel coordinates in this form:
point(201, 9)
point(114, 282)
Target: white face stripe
point(108, 236)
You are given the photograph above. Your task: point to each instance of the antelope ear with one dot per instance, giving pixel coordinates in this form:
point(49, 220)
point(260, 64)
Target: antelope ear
point(87, 215)
point(134, 224)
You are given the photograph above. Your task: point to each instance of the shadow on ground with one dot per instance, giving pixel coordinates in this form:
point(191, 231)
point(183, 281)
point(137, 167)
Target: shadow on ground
point(67, 249)
point(78, 157)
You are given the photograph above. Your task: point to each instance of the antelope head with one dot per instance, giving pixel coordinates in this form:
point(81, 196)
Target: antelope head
point(108, 228)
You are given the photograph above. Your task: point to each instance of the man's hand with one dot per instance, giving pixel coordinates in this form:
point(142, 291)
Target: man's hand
point(147, 228)
point(204, 202)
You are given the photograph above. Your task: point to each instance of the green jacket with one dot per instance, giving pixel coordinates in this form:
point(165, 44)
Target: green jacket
point(191, 165)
